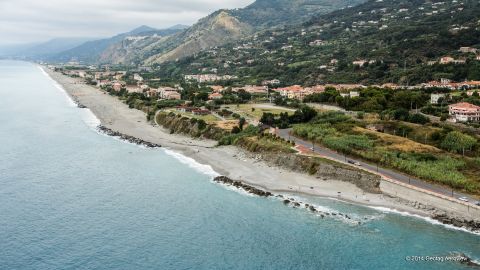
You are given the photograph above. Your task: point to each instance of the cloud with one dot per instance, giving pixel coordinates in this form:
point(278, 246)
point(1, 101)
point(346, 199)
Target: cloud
point(36, 20)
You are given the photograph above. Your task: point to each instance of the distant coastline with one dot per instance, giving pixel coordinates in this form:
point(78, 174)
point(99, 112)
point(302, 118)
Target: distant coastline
point(230, 161)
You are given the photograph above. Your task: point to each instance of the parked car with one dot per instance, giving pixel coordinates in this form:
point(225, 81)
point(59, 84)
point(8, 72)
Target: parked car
point(477, 203)
point(354, 162)
point(463, 199)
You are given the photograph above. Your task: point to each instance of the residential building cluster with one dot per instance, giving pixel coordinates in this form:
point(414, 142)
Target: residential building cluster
point(445, 83)
point(201, 78)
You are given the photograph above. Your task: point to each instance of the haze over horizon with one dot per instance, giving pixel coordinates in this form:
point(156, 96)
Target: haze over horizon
point(30, 21)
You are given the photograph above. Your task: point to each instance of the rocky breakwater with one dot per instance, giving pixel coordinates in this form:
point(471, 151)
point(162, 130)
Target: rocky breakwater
point(288, 201)
point(127, 138)
point(449, 219)
point(252, 190)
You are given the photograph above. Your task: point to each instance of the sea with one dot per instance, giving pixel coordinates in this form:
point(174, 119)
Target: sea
point(74, 198)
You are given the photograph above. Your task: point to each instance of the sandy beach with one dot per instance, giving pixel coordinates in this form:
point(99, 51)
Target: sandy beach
point(229, 161)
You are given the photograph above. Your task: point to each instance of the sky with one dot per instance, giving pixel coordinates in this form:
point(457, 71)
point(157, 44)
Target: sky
point(25, 21)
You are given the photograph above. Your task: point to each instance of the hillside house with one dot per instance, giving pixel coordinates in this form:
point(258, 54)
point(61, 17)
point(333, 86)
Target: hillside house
point(252, 89)
point(359, 63)
point(152, 93)
point(172, 96)
point(449, 60)
point(446, 60)
point(217, 88)
point(168, 93)
point(215, 96)
point(467, 50)
point(117, 86)
point(464, 112)
point(292, 92)
point(354, 94)
point(137, 77)
point(271, 82)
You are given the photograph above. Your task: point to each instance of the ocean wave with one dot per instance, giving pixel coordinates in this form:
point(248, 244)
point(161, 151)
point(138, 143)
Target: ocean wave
point(427, 219)
point(87, 115)
point(323, 211)
point(70, 101)
point(190, 162)
point(235, 189)
point(90, 118)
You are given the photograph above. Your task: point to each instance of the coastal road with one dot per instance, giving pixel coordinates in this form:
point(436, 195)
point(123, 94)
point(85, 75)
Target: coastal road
point(286, 134)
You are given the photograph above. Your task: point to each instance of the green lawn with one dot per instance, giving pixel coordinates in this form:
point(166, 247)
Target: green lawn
point(246, 110)
point(207, 118)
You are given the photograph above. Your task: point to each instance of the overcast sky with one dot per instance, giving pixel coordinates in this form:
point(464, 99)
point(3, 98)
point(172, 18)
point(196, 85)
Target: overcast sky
point(23, 21)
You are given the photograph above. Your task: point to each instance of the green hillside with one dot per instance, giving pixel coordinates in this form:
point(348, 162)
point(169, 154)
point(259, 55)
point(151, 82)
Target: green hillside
point(397, 39)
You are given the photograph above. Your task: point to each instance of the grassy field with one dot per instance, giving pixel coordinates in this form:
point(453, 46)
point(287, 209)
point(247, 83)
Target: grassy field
point(246, 111)
point(397, 143)
point(207, 118)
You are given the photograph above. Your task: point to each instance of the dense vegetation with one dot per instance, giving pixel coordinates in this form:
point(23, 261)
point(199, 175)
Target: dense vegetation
point(347, 135)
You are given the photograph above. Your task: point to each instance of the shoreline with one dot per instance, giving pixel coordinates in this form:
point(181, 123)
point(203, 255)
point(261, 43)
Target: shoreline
point(128, 124)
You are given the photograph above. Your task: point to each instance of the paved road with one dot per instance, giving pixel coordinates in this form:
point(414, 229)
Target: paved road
point(285, 133)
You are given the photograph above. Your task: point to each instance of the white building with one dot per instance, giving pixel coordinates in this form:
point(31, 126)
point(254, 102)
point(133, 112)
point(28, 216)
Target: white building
point(137, 77)
point(434, 98)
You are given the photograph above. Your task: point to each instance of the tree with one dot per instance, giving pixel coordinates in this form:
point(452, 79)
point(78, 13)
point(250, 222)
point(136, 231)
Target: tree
point(236, 130)
point(401, 114)
point(267, 118)
point(241, 123)
point(456, 141)
point(202, 96)
point(419, 119)
point(303, 115)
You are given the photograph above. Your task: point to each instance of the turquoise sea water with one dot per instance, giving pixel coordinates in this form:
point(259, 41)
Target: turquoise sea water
point(71, 198)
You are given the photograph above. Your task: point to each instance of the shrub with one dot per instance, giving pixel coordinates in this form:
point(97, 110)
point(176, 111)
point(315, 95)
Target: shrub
point(456, 141)
point(347, 143)
point(419, 119)
point(201, 124)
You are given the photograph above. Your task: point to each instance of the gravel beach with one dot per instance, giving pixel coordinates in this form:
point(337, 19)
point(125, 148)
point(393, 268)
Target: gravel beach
point(229, 161)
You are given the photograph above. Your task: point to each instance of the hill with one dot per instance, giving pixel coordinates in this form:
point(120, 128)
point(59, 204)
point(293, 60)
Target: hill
point(217, 29)
point(225, 26)
point(375, 42)
point(44, 49)
point(273, 13)
point(90, 52)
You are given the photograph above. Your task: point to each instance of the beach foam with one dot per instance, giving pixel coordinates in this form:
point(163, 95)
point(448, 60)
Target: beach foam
point(190, 162)
point(87, 115)
point(427, 219)
point(90, 118)
point(71, 102)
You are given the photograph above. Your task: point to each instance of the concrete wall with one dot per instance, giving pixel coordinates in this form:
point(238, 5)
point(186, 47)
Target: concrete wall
point(432, 199)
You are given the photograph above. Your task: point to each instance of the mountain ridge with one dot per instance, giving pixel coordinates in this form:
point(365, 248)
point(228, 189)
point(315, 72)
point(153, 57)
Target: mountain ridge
point(91, 51)
point(385, 41)
point(220, 27)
